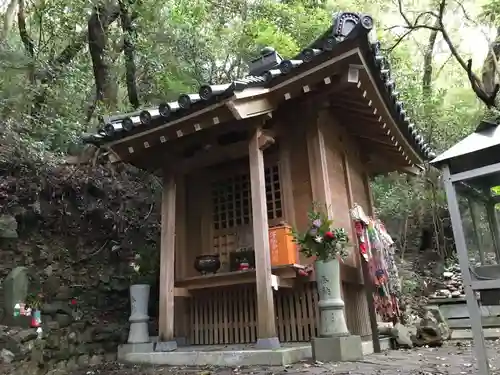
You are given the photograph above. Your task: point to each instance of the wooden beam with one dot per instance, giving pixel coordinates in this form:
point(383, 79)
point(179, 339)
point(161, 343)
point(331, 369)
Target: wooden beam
point(253, 103)
point(350, 202)
point(167, 259)
point(368, 84)
point(286, 180)
point(266, 326)
point(376, 160)
point(318, 168)
point(266, 139)
point(231, 279)
point(215, 155)
point(182, 292)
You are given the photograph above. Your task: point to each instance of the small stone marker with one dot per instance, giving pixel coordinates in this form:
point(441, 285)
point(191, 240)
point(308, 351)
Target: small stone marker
point(15, 288)
point(8, 226)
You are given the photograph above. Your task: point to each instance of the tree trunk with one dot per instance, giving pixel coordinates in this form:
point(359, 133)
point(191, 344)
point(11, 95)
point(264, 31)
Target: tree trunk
point(128, 52)
point(48, 75)
point(106, 90)
point(427, 77)
point(489, 70)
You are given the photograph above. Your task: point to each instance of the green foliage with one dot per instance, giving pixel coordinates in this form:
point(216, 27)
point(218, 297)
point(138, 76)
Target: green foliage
point(179, 46)
point(145, 266)
point(410, 286)
point(321, 240)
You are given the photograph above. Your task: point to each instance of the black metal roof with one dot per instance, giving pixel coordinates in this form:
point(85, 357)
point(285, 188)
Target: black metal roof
point(270, 69)
point(478, 149)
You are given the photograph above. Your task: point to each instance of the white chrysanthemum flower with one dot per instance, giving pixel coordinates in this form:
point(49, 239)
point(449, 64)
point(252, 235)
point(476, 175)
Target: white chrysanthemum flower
point(135, 266)
point(318, 239)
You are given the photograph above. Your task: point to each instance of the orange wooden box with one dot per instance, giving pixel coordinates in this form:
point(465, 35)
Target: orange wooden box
point(283, 249)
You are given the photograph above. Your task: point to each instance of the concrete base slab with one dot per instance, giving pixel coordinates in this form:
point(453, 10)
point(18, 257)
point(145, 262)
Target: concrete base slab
point(337, 349)
point(385, 344)
point(125, 349)
point(249, 357)
point(228, 355)
point(165, 346)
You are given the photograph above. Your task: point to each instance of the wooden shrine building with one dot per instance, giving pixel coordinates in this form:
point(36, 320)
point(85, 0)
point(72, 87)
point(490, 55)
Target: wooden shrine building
point(242, 160)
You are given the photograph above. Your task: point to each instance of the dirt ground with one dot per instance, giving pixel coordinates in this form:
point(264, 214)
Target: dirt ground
point(453, 358)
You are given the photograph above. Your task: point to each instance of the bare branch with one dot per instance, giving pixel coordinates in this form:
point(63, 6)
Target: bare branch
point(438, 26)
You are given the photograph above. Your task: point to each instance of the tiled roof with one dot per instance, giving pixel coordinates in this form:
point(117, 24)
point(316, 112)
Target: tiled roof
point(270, 69)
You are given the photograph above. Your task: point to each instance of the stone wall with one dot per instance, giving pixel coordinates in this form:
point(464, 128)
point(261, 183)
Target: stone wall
point(75, 230)
point(84, 308)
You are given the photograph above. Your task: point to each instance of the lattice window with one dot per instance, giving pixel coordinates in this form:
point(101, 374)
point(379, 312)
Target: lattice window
point(231, 201)
point(273, 193)
point(231, 198)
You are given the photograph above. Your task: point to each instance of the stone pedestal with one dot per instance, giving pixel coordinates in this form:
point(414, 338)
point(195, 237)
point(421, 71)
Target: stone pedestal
point(139, 299)
point(331, 307)
point(335, 342)
point(337, 348)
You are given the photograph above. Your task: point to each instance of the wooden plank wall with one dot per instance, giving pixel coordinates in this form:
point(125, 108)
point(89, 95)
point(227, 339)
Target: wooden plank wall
point(228, 315)
point(340, 144)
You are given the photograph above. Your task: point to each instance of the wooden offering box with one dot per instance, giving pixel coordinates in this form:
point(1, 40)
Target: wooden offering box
point(283, 249)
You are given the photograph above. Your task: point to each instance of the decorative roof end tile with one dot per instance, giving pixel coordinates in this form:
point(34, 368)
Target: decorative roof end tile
point(207, 92)
point(268, 59)
point(187, 100)
point(349, 24)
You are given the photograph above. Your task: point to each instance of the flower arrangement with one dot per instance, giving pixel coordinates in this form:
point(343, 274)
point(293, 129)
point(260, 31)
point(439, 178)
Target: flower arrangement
point(34, 301)
point(143, 267)
point(321, 239)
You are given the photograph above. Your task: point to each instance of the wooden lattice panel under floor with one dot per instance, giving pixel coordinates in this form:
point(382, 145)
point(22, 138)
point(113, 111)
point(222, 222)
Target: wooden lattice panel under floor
point(228, 315)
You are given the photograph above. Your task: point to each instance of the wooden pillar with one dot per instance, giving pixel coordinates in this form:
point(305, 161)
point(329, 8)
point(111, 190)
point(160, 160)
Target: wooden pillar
point(166, 341)
point(266, 324)
point(369, 288)
point(181, 302)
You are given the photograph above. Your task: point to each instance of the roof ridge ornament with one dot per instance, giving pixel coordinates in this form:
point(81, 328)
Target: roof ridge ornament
point(350, 24)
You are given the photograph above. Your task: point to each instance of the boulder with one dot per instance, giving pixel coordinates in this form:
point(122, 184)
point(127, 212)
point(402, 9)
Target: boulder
point(26, 335)
point(64, 320)
point(402, 335)
point(55, 308)
point(432, 329)
point(6, 356)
